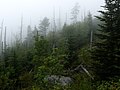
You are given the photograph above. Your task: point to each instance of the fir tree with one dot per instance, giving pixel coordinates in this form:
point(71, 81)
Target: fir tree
point(106, 52)
point(43, 26)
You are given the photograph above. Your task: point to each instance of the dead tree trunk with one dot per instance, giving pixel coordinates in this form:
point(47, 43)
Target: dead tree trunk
point(21, 29)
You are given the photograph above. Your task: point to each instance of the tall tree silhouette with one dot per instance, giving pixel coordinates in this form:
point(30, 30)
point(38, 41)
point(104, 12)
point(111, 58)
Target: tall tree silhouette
point(106, 52)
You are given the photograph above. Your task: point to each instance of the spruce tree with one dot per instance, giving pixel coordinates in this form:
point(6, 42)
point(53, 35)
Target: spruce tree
point(106, 51)
point(43, 27)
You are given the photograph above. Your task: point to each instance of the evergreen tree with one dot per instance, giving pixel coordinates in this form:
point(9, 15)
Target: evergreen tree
point(74, 13)
point(70, 44)
point(43, 26)
point(106, 52)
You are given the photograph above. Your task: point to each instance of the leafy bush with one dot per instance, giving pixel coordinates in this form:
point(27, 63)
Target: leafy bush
point(81, 82)
point(109, 85)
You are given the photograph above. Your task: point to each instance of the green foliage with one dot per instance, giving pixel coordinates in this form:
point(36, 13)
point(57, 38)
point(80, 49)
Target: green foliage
point(6, 78)
point(25, 80)
point(41, 51)
point(74, 13)
point(109, 85)
point(70, 40)
point(84, 56)
point(43, 26)
point(81, 82)
point(106, 49)
point(28, 63)
point(52, 65)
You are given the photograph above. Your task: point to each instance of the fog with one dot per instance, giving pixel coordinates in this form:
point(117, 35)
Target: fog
point(33, 11)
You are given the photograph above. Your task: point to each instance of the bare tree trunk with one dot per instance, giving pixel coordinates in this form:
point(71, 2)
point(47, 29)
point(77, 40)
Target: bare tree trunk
point(1, 48)
point(1, 35)
point(5, 41)
point(21, 28)
point(66, 18)
point(84, 69)
point(4, 55)
point(54, 30)
point(59, 19)
point(91, 39)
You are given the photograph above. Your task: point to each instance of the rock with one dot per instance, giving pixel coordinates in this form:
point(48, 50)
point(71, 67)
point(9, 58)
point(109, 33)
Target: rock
point(54, 79)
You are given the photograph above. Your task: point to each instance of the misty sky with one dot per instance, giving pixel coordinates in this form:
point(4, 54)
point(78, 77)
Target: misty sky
point(34, 10)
